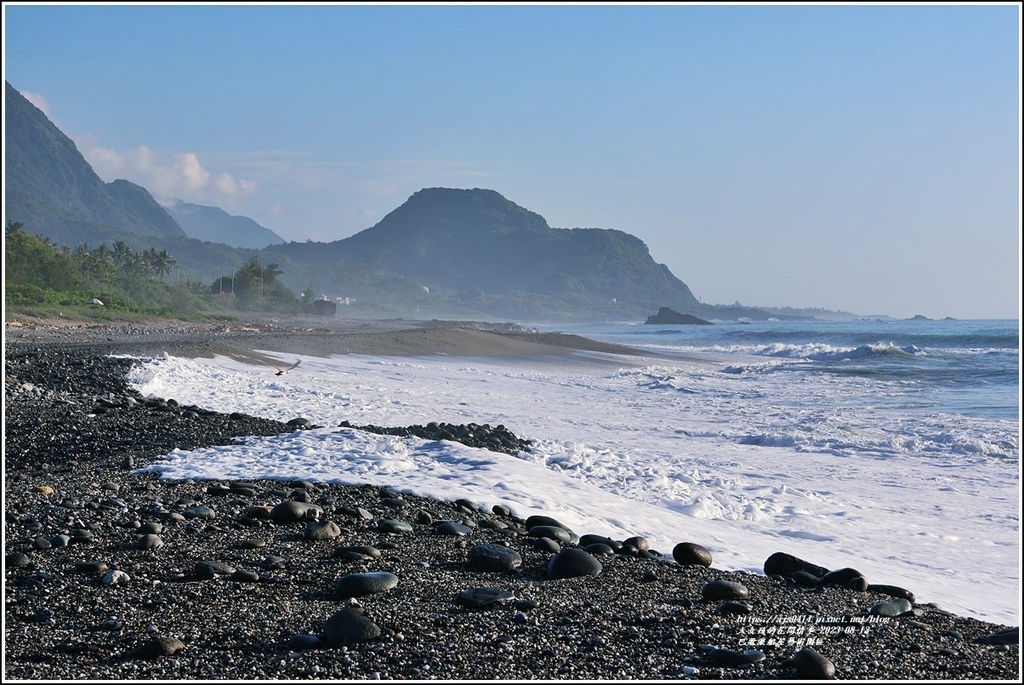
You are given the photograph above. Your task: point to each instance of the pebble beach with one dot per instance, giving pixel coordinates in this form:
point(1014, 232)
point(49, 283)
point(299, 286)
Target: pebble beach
point(112, 573)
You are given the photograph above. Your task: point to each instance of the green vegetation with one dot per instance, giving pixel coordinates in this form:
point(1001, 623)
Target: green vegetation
point(108, 281)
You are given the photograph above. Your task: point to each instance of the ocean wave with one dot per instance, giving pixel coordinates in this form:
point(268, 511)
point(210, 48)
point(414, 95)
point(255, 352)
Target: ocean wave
point(825, 352)
point(930, 441)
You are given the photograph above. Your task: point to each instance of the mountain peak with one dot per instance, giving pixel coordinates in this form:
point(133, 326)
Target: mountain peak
point(451, 211)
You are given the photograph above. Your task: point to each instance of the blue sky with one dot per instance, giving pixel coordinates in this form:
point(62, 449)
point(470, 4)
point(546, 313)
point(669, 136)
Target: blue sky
point(855, 157)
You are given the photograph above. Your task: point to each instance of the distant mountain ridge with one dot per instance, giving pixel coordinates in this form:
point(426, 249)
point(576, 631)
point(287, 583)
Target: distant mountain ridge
point(444, 253)
point(215, 225)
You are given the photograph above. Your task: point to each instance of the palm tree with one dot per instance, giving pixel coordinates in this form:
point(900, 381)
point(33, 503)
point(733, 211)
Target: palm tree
point(103, 252)
point(137, 264)
point(122, 253)
point(162, 263)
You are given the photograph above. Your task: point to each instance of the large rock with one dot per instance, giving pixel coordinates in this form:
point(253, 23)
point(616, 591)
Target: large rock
point(785, 565)
point(349, 626)
point(361, 584)
point(322, 530)
point(724, 589)
point(691, 554)
point(290, 511)
point(573, 562)
point(495, 558)
point(666, 315)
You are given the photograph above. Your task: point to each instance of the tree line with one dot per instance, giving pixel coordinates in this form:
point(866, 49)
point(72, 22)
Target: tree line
point(39, 273)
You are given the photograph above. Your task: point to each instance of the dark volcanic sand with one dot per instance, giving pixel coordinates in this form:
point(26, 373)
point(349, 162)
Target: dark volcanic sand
point(74, 434)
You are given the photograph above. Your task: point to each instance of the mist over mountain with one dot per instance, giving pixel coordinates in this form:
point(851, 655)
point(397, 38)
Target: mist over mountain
point(444, 253)
point(214, 225)
point(476, 250)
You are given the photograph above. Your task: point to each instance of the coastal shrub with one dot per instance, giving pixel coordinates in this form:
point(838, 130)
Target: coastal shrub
point(38, 274)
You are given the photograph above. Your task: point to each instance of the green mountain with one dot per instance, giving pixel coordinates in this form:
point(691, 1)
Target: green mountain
point(444, 253)
point(475, 250)
point(52, 190)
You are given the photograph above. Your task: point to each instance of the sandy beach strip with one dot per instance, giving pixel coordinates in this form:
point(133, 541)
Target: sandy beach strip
point(245, 338)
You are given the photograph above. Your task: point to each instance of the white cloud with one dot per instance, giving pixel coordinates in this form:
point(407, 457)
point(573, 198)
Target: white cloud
point(40, 102)
point(166, 175)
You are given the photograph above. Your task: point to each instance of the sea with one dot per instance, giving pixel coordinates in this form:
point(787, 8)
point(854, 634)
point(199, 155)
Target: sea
point(891, 447)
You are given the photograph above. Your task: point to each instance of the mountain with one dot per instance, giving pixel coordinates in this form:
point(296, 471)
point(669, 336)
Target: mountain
point(52, 190)
point(214, 225)
point(477, 251)
point(444, 253)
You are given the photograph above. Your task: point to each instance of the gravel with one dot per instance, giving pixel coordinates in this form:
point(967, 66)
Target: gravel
point(114, 574)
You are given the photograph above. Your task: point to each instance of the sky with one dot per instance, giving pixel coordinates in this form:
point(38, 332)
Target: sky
point(863, 158)
point(671, 449)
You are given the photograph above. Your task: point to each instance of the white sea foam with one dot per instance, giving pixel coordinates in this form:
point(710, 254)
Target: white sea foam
point(744, 464)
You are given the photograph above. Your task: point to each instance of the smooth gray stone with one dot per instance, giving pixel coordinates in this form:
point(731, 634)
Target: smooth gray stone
point(60, 540)
point(300, 643)
point(637, 542)
point(590, 539)
point(361, 584)
point(598, 548)
point(16, 560)
point(1009, 636)
point(97, 567)
point(782, 564)
point(349, 626)
point(357, 553)
point(805, 579)
point(322, 530)
point(149, 541)
point(546, 545)
point(161, 646)
point(495, 558)
point(691, 554)
point(813, 666)
point(893, 591)
point(539, 520)
point(290, 511)
point(209, 568)
point(846, 577)
point(893, 607)
point(202, 512)
point(452, 528)
point(482, 597)
point(555, 533)
point(724, 589)
point(393, 526)
point(241, 576)
point(572, 563)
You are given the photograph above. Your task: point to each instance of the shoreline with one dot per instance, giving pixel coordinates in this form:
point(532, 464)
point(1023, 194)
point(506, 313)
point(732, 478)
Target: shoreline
point(643, 617)
point(312, 336)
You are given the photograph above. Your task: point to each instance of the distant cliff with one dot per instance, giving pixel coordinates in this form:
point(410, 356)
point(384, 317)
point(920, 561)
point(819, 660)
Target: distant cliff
point(666, 315)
